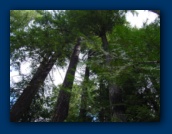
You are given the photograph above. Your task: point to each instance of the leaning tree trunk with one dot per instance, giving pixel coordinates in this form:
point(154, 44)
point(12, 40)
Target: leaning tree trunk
point(23, 103)
point(83, 108)
point(115, 95)
point(62, 105)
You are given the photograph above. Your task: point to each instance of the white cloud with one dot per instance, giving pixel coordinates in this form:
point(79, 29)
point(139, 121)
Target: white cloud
point(138, 20)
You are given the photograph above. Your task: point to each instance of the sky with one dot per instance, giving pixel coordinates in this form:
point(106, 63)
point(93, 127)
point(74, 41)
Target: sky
point(59, 74)
point(138, 20)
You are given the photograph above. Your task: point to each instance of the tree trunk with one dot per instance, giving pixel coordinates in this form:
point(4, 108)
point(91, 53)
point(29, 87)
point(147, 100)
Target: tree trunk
point(62, 105)
point(116, 103)
point(115, 95)
point(105, 112)
point(23, 103)
point(83, 109)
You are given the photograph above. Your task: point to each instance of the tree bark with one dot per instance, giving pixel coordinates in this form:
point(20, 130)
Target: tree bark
point(83, 109)
point(62, 104)
point(116, 103)
point(105, 112)
point(23, 103)
point(115, 95)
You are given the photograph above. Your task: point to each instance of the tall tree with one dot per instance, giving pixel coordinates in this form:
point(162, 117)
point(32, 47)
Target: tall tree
point(115, 94)
point(37, 38)
point(62, 105)
point(84, 96)
point(99, 23)
point(137, 68)
point(24, 101)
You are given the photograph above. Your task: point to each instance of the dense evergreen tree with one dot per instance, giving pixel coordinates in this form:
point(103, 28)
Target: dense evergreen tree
point(23, 103)
point(42, 42)
point(62, 105)
point(121, 81)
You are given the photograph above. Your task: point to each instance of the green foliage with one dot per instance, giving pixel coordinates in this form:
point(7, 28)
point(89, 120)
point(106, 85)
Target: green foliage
point(134, 61)
point(95, 22)
point(74, 105)
point(19, 19)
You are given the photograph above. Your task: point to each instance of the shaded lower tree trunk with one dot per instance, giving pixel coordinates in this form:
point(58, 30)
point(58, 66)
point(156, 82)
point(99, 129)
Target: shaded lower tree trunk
point(62, 104)
point(83, 109)
point(116, 104)
point(115, 95)
point(105, 112)
point(23, 103)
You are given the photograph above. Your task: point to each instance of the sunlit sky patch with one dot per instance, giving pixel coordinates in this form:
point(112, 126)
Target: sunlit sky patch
point(143, 16)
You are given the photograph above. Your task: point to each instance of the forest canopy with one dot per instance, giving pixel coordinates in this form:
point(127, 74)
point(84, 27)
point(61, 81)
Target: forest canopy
point(119, 66)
